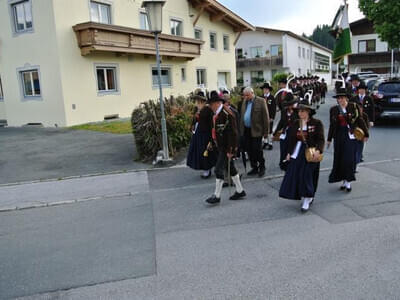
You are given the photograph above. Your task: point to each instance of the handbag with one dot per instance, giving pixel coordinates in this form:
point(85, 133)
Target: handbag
point(310, 151)
point(359, 134)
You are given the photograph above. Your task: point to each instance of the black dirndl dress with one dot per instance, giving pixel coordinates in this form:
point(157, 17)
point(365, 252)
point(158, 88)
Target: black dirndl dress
point(198, 144)
point(344, 157)
point(301, 178)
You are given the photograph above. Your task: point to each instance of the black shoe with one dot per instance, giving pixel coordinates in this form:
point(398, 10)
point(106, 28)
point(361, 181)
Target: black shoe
point(261, 172)
point(348, 189)
point(269, 147)
point(213, 200)
point(265, 146)
point(253, 172)
point(342, 188)
point(361, 160)
point(238, 196)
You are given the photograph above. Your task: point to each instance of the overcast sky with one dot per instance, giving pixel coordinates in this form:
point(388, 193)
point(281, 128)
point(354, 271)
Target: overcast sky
point(297, 16)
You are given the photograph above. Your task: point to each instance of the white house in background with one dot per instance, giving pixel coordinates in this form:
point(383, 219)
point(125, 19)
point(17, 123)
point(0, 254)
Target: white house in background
point(370, 53)
point(264, 52)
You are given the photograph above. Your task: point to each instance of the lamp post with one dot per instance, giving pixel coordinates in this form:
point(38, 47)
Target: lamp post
point(154, 16)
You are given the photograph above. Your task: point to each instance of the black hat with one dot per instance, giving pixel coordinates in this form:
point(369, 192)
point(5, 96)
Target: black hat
point(214, 97)
point(282, 80)
point(362, 86)
point(306, 104)
point(199, 95)
point(289, 99)
point(341, 92)
point(267, 86)
point(354, 77)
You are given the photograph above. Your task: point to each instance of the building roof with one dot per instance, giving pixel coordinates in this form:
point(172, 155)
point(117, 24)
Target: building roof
point(219, 12)
point(306, 40)
point(362, 26)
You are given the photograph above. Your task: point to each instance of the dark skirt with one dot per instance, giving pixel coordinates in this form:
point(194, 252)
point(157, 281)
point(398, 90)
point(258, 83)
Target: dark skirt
point(344, 157)
point(284, 144)
point(195, 158)
point(301, 178)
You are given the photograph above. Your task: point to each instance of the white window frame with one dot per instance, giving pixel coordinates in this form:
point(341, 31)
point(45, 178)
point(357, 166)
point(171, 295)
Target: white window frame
point(174, 19)
point(226, 36)
point(1, 91)
point(11, 5)
point(215, 40)
point(108, 3)
point(201, 33)
point(146, 25)
point(259, 51)
point(155, 85)
point(105, 66)
point(204, 84)
point(29, 68)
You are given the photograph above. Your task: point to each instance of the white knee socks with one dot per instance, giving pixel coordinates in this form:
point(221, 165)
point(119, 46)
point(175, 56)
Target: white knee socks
point(346, 184)
point(238, 184)
point(218, 187)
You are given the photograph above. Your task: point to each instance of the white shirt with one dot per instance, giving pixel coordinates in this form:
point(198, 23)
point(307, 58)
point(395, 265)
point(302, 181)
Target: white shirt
point(219, 109)
point(351, 136)
point(298, 145)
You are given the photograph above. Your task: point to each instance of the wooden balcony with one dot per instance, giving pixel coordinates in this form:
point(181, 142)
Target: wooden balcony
point(259, 62)
point(95, 37)
point(373, 58)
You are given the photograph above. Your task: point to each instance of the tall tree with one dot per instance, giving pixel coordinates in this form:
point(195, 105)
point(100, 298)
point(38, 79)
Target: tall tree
point(322, 36)
point(385, 16)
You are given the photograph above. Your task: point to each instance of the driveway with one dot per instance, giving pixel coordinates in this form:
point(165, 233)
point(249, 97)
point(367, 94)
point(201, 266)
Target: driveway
point(42, 153)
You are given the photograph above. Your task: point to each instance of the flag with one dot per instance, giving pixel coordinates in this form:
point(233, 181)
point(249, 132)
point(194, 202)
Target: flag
point(342, 34)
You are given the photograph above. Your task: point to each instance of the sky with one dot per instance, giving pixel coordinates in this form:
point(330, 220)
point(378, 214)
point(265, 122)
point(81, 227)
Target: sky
point(298, 16)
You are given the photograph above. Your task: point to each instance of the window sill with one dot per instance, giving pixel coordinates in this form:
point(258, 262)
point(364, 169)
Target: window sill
point(107, 93)
point(18, 33)
point(32, 98)
point(164, 86)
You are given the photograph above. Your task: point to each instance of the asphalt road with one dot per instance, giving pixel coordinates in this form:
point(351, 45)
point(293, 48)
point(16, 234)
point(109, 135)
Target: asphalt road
point(148, 235)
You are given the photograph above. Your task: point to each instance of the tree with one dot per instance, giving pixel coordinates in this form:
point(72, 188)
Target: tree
point(322, 36)
point(385, 16)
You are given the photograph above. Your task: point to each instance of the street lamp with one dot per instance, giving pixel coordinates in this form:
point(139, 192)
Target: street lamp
point(154, 16)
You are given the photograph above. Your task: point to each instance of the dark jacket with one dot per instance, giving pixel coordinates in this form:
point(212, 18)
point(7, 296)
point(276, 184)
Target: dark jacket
point(271, 104)
point(284, 121)
point(315, 135)
point(206, 119)
point(259, 118)
point(368, 106)
point(353, 117)
point(226, 132)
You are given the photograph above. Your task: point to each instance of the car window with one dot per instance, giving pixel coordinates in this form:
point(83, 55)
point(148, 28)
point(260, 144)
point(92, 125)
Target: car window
point(393, 87)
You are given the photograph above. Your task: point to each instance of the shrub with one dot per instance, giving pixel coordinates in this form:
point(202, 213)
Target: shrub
point(146, 126)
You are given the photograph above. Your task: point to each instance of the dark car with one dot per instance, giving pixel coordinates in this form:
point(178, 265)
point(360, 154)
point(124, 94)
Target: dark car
point(387, 99)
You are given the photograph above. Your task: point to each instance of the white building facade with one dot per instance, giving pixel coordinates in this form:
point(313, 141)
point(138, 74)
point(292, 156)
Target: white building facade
point(69, 62)
point(369, 52)
point(262, 53)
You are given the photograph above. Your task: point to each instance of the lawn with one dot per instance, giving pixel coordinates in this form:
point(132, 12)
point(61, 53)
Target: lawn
point(116, 127)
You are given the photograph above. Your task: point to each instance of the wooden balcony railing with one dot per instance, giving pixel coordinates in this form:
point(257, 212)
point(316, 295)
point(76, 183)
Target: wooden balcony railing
point(95, 37)
point(372, 58)
point(263, 62)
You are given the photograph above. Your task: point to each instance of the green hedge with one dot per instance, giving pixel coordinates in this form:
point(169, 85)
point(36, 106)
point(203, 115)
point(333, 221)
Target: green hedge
point(146, 126)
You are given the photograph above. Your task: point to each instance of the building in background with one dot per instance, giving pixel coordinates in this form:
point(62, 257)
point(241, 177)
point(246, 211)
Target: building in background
point(370, 53)
point(262, 53)
point(69, 62)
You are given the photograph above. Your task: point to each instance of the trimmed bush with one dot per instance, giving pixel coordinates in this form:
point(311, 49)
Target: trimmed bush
point(146, 126)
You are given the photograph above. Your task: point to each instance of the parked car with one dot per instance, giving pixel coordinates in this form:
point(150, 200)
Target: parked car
point(387, 99)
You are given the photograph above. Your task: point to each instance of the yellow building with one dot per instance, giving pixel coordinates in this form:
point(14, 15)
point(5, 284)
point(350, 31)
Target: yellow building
point(66, 62)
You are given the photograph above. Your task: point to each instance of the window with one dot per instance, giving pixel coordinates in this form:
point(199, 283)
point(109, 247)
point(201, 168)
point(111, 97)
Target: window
point(239, 78)
point(183, 74)
point(308, 53)
point(22, 16)
point(201, 77)
point(144, 21)
point(321, 62)
point(198, 34)
point(257, 76)
point(239, 53)
point(176, 27)
point(276, 50)
point(299, 51)
point(165, 76)
point(213, 41)
point(30, 83)
point(100, 12)
point(1, 90)
point(366, 46)
point(226, 42)
point(256, 52)
point(106, 79)
point(304, 53)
